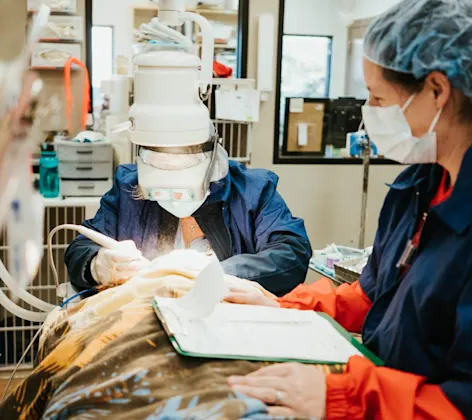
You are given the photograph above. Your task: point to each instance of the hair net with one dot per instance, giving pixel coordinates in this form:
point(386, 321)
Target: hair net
point(421, 36)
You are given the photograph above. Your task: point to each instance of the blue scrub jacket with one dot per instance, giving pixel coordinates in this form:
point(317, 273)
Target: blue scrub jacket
point(245, 220)
point(422, 322)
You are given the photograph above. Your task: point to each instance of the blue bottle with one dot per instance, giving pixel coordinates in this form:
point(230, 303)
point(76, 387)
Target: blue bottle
point(48, 172)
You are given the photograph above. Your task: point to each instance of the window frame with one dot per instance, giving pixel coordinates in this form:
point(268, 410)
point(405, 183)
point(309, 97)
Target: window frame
point(282, 147)
point(303, 159)
point(278, 156)
point(91, 54)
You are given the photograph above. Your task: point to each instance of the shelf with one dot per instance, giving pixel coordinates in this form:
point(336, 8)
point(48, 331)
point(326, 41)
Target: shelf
point(220, 46)
point(207, 12)
point(61, 41)
point(216, 12)
point(146, 7)
point(72, 202)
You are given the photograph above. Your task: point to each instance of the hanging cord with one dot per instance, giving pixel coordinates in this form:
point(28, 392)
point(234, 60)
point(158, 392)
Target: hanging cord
point(69, 97)
point(20, 361)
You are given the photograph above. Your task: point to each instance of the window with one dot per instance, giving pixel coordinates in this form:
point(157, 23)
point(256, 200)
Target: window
point(102, 59)
point(305, 70)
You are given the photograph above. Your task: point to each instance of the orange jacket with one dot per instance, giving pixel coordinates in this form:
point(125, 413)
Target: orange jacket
point(367, 391)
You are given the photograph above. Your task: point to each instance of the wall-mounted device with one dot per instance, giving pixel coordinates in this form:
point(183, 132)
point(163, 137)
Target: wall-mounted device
point(265, 55)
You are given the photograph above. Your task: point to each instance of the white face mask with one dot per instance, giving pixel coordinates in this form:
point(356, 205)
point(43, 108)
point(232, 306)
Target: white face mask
point(182, 209)
point(389, 130)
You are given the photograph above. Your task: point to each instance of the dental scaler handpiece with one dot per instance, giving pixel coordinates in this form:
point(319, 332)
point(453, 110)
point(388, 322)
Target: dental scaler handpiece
point(101, 239)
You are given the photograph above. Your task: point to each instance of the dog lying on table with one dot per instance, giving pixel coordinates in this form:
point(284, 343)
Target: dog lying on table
point(108, 356)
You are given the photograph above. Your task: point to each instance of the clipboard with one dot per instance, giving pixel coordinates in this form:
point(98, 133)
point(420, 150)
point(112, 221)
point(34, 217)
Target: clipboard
point(342, 332)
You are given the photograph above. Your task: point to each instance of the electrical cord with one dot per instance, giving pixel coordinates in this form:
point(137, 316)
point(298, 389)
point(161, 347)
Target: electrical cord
point(20, 361)
point(50, 255)
point(83, 292)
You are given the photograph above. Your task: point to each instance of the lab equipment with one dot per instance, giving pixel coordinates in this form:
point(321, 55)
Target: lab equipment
point(118, 92)
point(326, 261)
point(99, 238)
point(169, 86)
point(48, 172)
point(265, 54)
point(63, 290)
point(421, 36)
point(85, 169)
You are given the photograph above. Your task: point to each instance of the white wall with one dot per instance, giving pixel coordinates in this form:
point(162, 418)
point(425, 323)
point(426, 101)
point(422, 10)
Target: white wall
point(119, 14)
point(321, 17)
point(369, 8)
point(327, 197)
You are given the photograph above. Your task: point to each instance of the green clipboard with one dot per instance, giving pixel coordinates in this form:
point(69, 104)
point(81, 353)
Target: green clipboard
point(361, 348)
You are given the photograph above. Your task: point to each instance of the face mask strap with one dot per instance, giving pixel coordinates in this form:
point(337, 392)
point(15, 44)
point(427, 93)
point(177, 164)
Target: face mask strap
point(362, 125)
point(409, 101)
point(435, 121)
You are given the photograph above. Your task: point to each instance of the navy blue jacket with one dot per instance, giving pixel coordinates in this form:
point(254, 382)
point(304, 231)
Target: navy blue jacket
point(245, 220)
point(422, 322)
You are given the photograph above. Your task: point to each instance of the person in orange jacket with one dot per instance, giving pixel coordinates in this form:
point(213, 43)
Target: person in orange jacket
point(413, 302)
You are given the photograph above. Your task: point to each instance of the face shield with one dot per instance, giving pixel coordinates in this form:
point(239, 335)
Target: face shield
point(179, 178)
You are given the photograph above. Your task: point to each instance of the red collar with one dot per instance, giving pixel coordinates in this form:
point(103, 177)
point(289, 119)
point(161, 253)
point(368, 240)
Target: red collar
point(444, 191)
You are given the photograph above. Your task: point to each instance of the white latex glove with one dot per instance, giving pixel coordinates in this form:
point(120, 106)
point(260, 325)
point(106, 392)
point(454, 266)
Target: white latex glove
point(110, 265)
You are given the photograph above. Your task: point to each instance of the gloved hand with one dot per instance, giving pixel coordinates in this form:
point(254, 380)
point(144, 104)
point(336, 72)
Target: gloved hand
point(110, 265)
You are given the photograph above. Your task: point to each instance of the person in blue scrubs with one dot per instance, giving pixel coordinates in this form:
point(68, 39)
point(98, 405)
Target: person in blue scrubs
point(242, 219)
point(413, 302)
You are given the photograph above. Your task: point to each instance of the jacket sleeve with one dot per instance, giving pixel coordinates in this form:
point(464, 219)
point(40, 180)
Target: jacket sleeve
point(81, 251)
point(367, 391)
point(347, 304)
point(283, 250)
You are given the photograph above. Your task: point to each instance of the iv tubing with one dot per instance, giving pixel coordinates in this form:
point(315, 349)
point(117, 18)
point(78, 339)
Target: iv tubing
point(22, 293)
point(21, 312)
point(171, 33)
point(97, 237)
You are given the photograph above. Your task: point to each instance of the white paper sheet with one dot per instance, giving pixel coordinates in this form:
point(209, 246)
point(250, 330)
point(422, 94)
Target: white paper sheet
point(261, 332)
point(237, 105)
point(208, 291)
point(296, 105)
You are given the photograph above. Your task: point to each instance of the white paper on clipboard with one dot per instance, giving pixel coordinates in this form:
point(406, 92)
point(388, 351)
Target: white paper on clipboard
point(237, 105)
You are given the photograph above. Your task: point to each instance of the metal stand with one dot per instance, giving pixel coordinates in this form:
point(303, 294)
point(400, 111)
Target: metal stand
point(365, 190)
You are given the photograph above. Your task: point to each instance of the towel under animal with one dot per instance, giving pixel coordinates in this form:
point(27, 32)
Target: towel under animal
point(108, 357)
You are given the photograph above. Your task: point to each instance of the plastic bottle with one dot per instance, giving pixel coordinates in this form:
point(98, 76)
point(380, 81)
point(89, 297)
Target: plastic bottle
point(48, 172)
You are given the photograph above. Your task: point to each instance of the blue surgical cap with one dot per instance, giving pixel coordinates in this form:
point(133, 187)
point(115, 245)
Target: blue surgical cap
point(421, 36)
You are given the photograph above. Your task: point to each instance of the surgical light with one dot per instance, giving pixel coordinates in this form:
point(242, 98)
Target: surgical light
point(170, 87)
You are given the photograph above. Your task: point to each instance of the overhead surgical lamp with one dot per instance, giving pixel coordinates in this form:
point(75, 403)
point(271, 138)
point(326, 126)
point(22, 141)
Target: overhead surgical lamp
point(170, 87)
